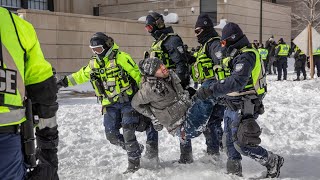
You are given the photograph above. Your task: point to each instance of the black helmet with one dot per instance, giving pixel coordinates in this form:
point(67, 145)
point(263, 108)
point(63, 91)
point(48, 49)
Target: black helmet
point(154, 21)
point(100, 43)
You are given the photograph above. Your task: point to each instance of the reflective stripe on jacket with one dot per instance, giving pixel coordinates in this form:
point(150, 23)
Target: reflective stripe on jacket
point(110, 82)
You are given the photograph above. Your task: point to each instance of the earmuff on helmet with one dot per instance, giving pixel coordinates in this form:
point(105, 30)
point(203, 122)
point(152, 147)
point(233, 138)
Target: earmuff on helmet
point(154, 21)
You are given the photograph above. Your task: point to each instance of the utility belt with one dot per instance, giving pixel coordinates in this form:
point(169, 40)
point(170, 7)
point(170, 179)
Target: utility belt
point(248, 104)
point(15, 129)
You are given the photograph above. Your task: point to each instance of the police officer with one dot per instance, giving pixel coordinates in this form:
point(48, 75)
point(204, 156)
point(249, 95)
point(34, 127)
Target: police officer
point(281, 54)
point(300, 63)
point(264, 54)
point(25, 73)
point(169, 48)
point(113, 75)
point(242, 85)
point(316, 60)
point(202, 73)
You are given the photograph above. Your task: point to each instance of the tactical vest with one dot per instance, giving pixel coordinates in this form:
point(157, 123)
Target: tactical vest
point(317, 52)
point(157, 51)
point(284, 49)
point(111, 83)
point(257, 83)
point(202, 69)
point(296, 49)
point(263, 53)
point(12, 89)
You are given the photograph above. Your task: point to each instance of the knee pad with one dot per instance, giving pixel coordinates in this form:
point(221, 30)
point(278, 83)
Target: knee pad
point(248, 132)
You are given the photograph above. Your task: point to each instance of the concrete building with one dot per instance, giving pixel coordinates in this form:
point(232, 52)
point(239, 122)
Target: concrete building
point(64, 34)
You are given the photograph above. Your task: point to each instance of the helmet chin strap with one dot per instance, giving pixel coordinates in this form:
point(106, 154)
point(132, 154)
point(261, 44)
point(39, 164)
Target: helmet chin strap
point(100, 56)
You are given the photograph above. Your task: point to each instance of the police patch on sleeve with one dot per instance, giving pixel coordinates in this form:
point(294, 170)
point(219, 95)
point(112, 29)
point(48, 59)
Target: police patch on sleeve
point(239, 67)
point(180, 49)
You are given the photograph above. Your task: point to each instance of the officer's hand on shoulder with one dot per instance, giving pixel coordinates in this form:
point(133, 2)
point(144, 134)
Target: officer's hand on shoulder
point(62, 83)
point(203, 93)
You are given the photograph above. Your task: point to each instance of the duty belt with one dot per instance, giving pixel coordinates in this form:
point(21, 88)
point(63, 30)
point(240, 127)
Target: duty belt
point(10, 129)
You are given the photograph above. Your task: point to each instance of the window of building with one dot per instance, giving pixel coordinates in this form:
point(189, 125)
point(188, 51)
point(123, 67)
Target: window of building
point(14, 4)
point(209, 7)
point(38, 4)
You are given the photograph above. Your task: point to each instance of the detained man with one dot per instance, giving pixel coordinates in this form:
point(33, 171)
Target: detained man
point(162, 99)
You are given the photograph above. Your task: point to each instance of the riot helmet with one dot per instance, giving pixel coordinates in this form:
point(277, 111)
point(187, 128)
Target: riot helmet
point(154, 21)
point(100, 44)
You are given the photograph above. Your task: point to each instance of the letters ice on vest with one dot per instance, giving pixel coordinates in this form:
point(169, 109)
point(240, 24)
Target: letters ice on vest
point(8, 81)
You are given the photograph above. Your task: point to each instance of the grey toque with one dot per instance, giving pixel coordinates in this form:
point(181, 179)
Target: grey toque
point(149, 66)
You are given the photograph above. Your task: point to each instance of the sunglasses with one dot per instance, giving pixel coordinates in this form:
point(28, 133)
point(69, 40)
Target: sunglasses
point(198, 31)
point(97, 49)
point(149, 28)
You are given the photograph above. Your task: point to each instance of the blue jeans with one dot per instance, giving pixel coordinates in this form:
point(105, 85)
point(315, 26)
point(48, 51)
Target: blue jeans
point(152, 136)
point(199, 114)
point(11, 158)
point(214, 131)
point(122, 115)
point(234, 149)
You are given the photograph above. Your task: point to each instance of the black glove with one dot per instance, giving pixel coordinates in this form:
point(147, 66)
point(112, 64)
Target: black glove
point(158, 127)
point(203, 93)
point(62, 83)
point(156, 124)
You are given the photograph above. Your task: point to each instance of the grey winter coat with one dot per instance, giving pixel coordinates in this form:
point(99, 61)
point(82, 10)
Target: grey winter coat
point(163, 100)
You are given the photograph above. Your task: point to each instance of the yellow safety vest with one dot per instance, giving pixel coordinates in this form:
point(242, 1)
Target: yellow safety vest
point(263, 53)
point(202, 69)
point(257, 82)
point(157, 51)
point(284, 49)
point(317, 52)
point(296, 49)
point(112, 81)
point(22, 63)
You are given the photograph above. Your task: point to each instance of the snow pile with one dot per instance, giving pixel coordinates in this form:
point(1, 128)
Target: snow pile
point(290, 128)
point(171, 18)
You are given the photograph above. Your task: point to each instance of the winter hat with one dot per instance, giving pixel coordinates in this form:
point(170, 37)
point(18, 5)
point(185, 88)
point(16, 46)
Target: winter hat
point(149, 66)
point(232, 32)
point(204, 21)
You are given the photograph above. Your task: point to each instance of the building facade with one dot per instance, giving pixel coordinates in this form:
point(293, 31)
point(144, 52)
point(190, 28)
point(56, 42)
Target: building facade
point(64, 33)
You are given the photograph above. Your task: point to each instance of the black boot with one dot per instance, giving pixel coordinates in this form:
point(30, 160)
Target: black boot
point(234, 167)
point(186, 156)
point(305, 78)
point(152, 151)
point(298, 79)
point(133, 165)
point(273, 165)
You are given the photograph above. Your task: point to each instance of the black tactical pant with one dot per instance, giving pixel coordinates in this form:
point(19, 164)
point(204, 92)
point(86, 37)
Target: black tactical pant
point(301, 66)
point(282, 65)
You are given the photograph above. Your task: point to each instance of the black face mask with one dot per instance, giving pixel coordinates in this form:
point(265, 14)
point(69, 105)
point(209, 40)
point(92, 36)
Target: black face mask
point(206, 34)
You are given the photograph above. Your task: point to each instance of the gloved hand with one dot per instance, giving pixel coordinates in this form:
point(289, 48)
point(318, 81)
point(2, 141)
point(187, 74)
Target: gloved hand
point(158, 127)
point(156, 124)
point(62, 83)
point(203, 93)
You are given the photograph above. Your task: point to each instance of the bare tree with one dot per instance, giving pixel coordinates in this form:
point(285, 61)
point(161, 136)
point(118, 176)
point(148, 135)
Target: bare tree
point(304, 13)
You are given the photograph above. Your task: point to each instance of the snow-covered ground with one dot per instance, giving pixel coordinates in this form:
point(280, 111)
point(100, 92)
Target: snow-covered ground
point(290, 124)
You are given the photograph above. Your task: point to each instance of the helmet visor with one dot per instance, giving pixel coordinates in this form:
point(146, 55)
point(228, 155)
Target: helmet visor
point(97, 49)
point(149, 28)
